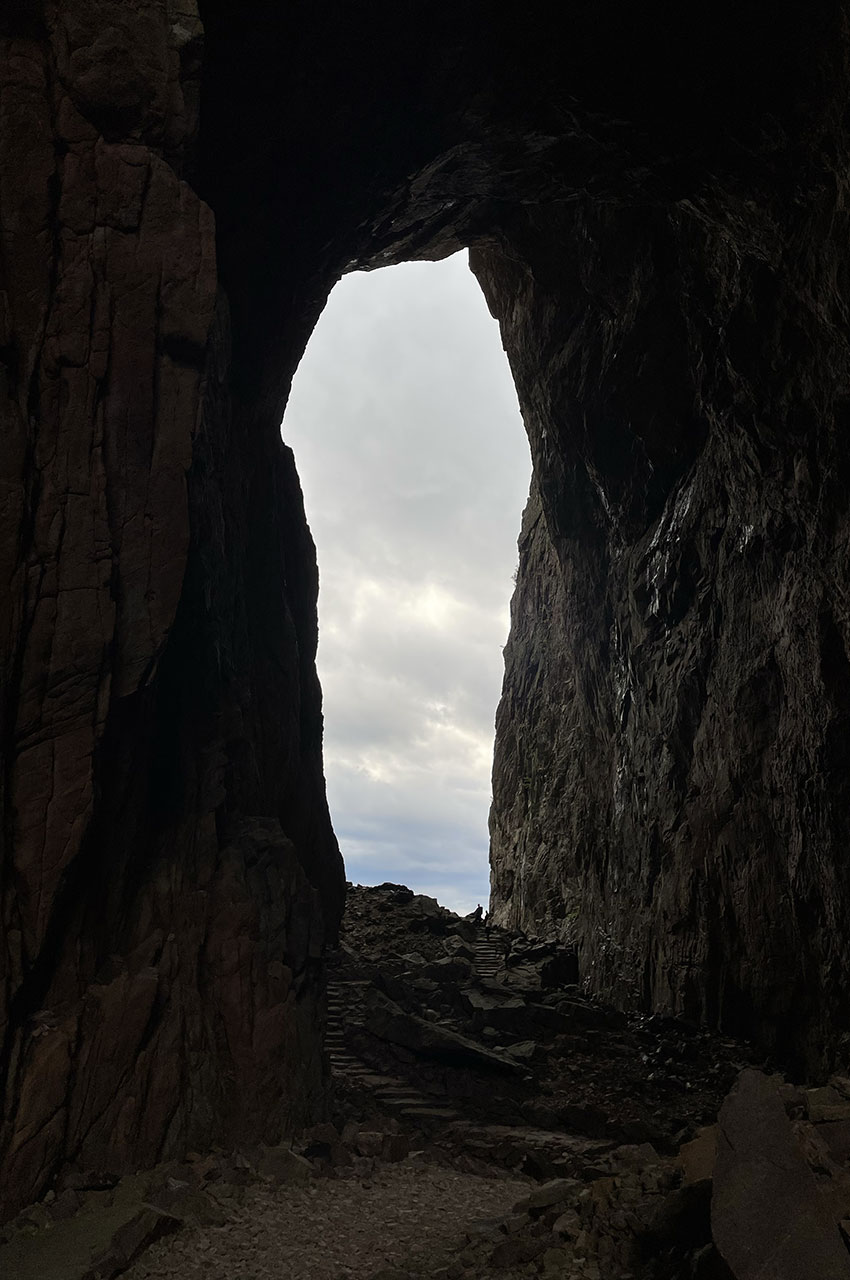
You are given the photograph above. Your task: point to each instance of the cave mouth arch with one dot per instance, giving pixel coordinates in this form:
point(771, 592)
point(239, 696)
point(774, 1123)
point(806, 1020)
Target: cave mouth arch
point(415, 468)
point(657, 202)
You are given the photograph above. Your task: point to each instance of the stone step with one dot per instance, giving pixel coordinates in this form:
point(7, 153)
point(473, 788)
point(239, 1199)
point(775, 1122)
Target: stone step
point(429, 1113)
point(400, 1093)
point(400, 1099)
point(363, 1076)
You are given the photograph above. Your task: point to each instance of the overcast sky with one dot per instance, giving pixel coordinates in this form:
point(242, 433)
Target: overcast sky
point(415, 470)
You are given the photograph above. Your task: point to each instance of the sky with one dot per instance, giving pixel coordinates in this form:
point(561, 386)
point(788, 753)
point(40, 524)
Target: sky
point(415, 469)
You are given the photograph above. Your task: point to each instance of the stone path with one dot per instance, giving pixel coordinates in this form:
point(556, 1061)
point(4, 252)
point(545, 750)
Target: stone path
point(395, 1095)
point(400, 1217)
point(489, 958)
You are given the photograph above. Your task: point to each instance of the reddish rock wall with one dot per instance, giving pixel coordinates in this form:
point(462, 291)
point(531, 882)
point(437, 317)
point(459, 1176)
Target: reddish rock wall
point(162, 790)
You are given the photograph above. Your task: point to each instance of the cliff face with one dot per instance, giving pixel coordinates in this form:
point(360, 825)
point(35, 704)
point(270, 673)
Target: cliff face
point(659, 224)
point(168, 865)
point(670, 783)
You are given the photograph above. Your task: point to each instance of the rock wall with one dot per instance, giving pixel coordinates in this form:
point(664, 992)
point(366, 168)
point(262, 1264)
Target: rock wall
point(659, 223)
point(168, 870)
point(670, 783)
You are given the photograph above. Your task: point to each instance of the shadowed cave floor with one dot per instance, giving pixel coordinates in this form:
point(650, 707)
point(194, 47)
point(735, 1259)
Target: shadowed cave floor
point(405, 1218)
point(485, 1119)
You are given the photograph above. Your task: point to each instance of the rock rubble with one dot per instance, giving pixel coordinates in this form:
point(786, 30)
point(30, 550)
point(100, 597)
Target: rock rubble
point(416, 1004)
point(557, 1139)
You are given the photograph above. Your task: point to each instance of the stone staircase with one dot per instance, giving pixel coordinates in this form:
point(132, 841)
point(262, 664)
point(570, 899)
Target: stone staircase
point(391, 1092)
point(489, 958)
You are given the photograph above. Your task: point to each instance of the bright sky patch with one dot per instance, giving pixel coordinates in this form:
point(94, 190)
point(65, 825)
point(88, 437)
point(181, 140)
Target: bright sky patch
point(415, 468)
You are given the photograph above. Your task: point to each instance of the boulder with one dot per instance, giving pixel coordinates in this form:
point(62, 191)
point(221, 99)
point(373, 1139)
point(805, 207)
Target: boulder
point(386, 1021)
point(143, 1230)
point(455, 945)
point(682, 1222)
point(835, 1134)
point(524, 1051)
point(369, 1143)
point(826, 1104)
point(453, 969)
point(768, 1219)
point(518, 1250)
point(283, 1165)
point(65, 1205)
point(185, 1202)
point(697, 1158)
point(583, 1117)
point(557, 1191)
point(481, 1002)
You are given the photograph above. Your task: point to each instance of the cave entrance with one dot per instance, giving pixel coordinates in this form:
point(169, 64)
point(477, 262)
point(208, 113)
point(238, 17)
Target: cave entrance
point(415, 468)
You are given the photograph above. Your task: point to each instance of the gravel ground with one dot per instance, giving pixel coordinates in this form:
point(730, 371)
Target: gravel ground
point(402, 1216)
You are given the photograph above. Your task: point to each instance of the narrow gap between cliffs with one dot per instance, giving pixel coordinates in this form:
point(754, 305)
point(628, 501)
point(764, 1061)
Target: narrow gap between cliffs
point(415, 468)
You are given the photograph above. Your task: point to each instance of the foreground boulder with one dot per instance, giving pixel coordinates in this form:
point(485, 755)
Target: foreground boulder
point(769, 1220)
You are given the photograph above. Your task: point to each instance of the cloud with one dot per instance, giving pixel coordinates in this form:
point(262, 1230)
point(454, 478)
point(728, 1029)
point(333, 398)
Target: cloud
point(415, 468)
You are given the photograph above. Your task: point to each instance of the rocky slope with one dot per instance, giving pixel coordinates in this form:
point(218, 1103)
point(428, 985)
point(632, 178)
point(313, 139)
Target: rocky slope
point(643, 1162)
point(487, 1120)
point(659, 221)
point(495, 1023)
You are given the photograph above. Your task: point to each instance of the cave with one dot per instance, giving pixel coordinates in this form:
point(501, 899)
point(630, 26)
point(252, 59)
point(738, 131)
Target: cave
point(654, 200)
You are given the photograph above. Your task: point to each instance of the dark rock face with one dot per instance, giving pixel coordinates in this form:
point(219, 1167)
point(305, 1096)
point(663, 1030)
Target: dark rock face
point(660, 226)
point(759, 1163)
point(168, 868)
point(668, 784)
